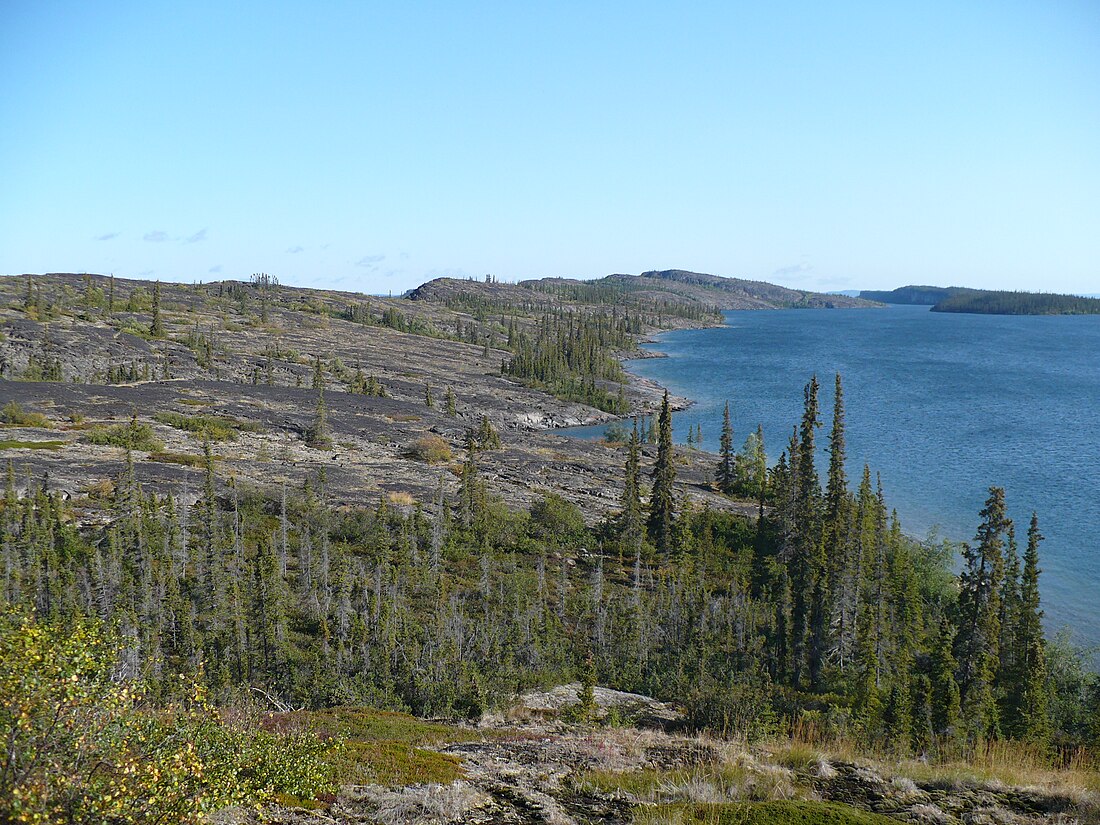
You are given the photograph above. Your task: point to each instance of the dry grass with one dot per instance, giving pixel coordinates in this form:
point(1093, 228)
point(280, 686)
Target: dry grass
point(1001, 764)
point(994, 766)
point(433, 803)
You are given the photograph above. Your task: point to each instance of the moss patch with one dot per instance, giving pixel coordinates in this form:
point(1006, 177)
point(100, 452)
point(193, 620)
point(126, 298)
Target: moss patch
point(393, 764)
point(32, 445)
point(382, 747)
point(373, 725)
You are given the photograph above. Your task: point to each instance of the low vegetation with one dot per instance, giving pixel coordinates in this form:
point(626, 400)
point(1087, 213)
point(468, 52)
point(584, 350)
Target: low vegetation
point(9, 444)
point(167, 457)
point(83, 744)
point(212, 427)
point(13, 414)
point(381, 747)
point(759, 813)
point(133, 436)
point(430, 448)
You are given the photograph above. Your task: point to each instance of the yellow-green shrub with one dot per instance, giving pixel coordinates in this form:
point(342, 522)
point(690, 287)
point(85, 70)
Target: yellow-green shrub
point(82, 746)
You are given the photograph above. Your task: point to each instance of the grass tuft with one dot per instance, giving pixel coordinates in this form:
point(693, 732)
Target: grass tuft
point(787, 812)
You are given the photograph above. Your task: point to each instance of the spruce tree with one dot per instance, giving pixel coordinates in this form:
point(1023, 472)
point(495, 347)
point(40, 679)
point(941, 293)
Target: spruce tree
point(1028, 704)
point(725, 474)
point(945, 690)
point(156, 326)
point(807, 584)
point(661, 503)
point(317, 436)
point(836, 490)
point(1010, 610)
point(979, 619)
point(450, 406)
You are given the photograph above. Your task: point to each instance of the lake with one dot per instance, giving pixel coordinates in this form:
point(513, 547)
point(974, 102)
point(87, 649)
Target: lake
point(942, 405)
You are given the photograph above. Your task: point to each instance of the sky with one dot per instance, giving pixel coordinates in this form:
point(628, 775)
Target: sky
point(374, 146)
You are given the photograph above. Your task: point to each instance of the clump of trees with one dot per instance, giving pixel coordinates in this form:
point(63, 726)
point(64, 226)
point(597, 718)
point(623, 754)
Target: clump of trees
point(573, 357)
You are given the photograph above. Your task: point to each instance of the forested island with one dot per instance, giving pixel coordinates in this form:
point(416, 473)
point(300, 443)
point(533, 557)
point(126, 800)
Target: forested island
point(254, 536)
point(986, 301)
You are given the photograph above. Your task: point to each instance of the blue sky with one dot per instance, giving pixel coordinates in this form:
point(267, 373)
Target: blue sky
point(374, 146)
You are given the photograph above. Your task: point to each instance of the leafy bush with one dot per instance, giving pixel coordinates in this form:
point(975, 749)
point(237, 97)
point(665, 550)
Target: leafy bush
point(82, 747)
point(616, 433)
point(430, 448)
point(556, 520)
point(13, 413)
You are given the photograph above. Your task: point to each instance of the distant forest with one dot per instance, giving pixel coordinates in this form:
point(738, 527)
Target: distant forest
point(1019, 303)
point(985, 301)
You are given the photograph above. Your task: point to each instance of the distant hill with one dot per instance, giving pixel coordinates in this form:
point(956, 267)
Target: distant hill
point(986, 301)
point(657, 288)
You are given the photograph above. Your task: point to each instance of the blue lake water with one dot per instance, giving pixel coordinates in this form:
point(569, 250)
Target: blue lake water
point(941, 405)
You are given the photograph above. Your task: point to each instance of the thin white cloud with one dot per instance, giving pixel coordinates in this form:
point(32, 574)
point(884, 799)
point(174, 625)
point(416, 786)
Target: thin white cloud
point(793, 269)
point(156, 236)
point(370, 261)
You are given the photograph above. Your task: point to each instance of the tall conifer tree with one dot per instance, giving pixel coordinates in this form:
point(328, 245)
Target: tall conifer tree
point(979, 619)
point(945, 690)
point(725, 475)
point(661, 503)
point(1028, 700)
point(807, 586)
point(156, 326)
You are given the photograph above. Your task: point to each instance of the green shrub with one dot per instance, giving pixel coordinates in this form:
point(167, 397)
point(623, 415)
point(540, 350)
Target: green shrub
point(13, 413)
point(213, 427)
point(616, 433)
point(81, 746)
point(132, 435)
point(430, 448)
